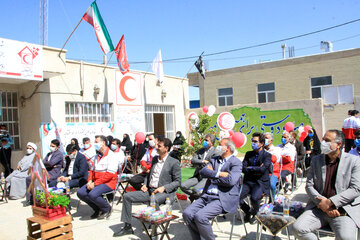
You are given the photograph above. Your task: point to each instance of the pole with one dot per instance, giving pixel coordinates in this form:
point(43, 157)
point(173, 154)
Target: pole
point(107, 63)
point(70, 37)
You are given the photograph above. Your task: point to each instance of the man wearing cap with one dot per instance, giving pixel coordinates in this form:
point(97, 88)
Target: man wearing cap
point(17, 179)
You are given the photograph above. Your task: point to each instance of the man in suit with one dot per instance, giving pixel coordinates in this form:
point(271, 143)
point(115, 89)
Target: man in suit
point(220, 194)
point(76, 169)
point(200, 159)
point(333, 186)
point(256, 169)
point(163, 180)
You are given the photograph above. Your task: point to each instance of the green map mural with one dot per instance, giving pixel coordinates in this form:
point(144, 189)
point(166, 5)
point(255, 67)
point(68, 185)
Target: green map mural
point(249, 120)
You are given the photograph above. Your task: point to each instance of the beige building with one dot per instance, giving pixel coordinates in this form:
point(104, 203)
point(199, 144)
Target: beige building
point(333, 76)
point(73, 92)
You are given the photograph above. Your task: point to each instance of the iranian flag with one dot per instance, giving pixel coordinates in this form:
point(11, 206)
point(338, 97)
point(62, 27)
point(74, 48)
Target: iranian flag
point(93, 17)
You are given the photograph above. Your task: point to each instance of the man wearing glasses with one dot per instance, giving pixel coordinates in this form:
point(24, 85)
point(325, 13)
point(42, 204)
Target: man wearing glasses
point(256, 168)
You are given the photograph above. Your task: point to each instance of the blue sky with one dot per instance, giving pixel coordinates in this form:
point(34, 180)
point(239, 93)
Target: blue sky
point(187, 28)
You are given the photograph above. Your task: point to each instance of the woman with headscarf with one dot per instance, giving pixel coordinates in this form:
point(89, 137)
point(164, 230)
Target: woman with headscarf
point(127, 144)
point(178, 141)
point(76, 143)
point(17, 179)
point(312, 146)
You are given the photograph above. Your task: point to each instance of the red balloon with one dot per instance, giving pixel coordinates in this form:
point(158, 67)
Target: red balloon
point(289, 126)
point(205, 109)
point(239, 139)
point(231, 132)
point(139, 137)
point(307, 128)
point(303, 135)
point(301, 139)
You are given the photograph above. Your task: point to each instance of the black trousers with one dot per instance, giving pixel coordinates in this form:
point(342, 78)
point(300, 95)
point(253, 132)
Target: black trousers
point(137, 180)
point(5, 160)
point(349, 144)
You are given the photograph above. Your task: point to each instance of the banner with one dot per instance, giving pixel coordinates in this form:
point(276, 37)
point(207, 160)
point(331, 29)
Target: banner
point(20, 60)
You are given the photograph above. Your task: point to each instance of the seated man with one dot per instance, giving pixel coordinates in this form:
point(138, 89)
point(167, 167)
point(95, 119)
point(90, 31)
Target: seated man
point(333, 186)
point(356, 150)
point(256, 168)
point(138, 180)
point(275, 159)
point(120, 156)
point(17, 179)
point(200, 159)
point(76, 169)
point(89, 152)
point(288, 153)
point(102, 178)
point(53, 163)
point(221, 192)
point(163, 180)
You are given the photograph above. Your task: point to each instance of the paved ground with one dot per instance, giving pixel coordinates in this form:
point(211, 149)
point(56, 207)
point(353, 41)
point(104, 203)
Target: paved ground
point(13, 222)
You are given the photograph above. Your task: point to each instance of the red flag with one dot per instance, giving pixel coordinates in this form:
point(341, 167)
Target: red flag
point(121, 56)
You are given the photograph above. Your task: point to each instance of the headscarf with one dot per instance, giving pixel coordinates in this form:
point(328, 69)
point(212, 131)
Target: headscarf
point(76, 144)
point(178, 140)
point(127, 143)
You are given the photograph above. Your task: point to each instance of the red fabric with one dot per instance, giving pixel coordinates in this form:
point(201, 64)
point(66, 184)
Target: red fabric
point(121, 56)
point(103, 177)
point(287, 163)
point(349, 133)
point(276, 166)
point(144, 163)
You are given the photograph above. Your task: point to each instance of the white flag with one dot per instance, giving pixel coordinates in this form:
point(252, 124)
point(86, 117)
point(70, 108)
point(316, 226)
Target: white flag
point(157, 67)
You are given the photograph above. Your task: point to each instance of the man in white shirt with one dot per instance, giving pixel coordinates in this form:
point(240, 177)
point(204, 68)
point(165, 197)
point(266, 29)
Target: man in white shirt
point(89, 152)
point(163, 180)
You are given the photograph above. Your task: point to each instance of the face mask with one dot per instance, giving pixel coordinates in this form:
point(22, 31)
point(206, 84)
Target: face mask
point(220, 150)
point(205, 144)
point(326, 147)
point(97, 146)
point(52, 149)
point(86, 146)
point(177, 135)
point(29, 151)
point(283, 140)
point(146, 139)
point(152, 143)
point(357, 142)
point(266, 142)
point(113, 147)
point(72, 156)
point(254, 146)
point(311, 134)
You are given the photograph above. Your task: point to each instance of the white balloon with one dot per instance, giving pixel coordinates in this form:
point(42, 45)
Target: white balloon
point(224, 134)
point(301, 129)
point(211, 110)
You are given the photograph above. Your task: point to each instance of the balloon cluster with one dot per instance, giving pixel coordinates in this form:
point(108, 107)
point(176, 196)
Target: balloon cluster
point(209, 110)
point(303, 132)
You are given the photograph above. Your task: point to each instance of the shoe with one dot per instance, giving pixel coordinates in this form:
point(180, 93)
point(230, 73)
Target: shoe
point(247, 218)
point(299, 172)
point(95, 215)
point(127, 229)
point(286, 187)
point(252, 220)
point(104, 215)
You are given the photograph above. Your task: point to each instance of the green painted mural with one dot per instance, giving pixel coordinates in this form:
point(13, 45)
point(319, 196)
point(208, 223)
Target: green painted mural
point(249, 120)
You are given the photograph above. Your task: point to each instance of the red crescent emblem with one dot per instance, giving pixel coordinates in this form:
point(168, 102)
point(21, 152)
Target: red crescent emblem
point(122, 88)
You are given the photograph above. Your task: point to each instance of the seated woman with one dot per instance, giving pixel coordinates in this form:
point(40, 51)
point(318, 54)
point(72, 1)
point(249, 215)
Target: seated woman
point(17, 179)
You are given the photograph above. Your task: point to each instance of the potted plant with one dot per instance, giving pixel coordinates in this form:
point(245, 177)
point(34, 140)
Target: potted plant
point(50, 205)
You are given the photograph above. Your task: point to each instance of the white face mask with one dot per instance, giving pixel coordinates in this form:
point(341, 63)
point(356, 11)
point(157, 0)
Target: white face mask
point(152, 143)
point(220, 150)
point(177, 135)
point(29, 151)
point(326, 147)
point(86, 146)
point(52, 149)
point(113, 147)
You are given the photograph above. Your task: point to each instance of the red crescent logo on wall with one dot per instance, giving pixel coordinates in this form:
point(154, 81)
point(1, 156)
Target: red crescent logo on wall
point(226, 121)
point(122, 88)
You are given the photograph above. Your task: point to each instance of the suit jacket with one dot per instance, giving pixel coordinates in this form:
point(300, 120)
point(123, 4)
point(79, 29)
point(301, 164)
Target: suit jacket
point(347, 184)
point(53, 167)
point(260, 170)
point(229, 187)
point(80, 169)
point(198, 160)
point(170, 176)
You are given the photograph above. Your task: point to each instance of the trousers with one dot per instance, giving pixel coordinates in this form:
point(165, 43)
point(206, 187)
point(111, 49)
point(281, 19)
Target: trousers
point(93, 197)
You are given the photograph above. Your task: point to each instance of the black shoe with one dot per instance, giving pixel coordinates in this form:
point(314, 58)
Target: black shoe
point(104, 215)
point(252, 220)
point(247, 218)
point(127, 229)
point(286, 187)
point(95, 215)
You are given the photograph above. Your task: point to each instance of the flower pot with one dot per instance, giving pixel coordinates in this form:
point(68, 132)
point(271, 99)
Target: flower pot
point(49, 213)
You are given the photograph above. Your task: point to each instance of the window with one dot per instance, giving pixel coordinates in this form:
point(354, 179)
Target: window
point(169, 125)
point(88, 112)
point(266, 92)
point(9, 115)
point(317, 85)
point(225, 96)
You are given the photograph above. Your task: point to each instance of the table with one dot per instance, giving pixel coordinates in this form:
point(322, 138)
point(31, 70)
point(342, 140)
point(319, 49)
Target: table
point(162, 224)
point(274, 222)
point(3, 189)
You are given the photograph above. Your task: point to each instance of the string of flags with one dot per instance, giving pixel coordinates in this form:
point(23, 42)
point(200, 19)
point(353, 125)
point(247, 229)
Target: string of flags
point(93, 17)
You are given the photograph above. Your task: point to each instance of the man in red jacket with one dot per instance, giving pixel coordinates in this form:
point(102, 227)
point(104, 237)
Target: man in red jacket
point(102, 179)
